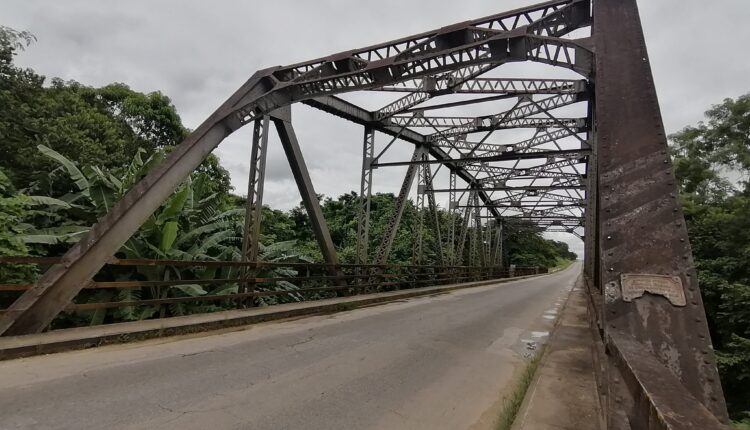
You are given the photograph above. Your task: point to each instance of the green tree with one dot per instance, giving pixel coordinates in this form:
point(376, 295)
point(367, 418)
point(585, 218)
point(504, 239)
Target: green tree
point(195, 223)
point(712, 163)
point(94, 126)
point(14, 209)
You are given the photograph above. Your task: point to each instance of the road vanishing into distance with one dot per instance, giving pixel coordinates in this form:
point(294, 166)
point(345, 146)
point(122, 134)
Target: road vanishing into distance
point(436, 362)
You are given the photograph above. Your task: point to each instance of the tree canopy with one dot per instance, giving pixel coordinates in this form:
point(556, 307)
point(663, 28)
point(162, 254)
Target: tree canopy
point(712, 163)
point(104, 126)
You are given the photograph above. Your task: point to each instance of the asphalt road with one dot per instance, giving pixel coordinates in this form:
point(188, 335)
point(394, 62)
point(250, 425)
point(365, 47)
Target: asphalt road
point(438, 362)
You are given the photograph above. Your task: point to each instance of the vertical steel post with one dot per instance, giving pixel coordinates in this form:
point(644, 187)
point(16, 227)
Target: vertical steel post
point(452, 212)
point(478, 247)
point(434, 214)
point(365, 193)
point(254, 204)
point(488, 245)
point(460, 247)
point(497, 258)
point(590, 239)
point(418, 234)
point(642, 228)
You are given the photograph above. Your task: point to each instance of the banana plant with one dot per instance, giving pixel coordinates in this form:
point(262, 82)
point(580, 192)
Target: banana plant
point(193, 224)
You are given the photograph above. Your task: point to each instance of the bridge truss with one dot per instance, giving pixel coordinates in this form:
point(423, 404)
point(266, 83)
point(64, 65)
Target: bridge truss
point(601, 173)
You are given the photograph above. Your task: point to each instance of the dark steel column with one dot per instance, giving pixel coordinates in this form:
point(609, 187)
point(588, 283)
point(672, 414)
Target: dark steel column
point(365, 193)
point(497, 257)
point(282, 119)
point(642, 229)
point(476, 247)
point(452, 212)
point(434, 215)
point(460, 247)
point(418, 233)
point(254, 205)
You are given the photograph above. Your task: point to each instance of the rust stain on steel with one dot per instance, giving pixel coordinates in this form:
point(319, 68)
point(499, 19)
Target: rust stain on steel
point(664, 403)
point(635, 285)
point(641, 225)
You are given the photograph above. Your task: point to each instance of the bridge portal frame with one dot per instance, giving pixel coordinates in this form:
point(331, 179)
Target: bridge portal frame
point(633, 220)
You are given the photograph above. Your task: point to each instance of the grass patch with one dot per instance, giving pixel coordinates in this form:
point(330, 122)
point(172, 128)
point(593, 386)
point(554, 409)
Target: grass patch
point(512, 403)
point(562, 264)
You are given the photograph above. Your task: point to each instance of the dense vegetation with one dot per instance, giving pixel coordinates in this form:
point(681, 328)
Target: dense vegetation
point(712, 162)
point(70, 151)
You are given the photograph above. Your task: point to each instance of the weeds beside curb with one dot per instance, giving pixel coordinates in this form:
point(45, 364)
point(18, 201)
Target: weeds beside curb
point(512, 403)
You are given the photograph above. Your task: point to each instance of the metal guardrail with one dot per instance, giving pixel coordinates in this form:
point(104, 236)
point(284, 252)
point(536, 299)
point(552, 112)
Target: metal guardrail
point(313, 280)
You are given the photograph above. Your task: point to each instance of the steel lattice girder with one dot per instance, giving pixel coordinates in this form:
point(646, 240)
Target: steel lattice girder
point(453, 57)
point(490, 86)
point(527, 145)
point(520, 111)
point(551, 156)
point(538, 188)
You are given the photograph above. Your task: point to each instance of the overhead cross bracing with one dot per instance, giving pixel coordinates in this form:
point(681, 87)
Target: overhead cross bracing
point(586, 148)
point(464, 60)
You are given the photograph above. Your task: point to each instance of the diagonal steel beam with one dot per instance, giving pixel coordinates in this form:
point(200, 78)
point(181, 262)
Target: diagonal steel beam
point(341, 108)
point(384, 250)
point(521, 111)
point(428, 89)
point(507, 36)
point(283, 122)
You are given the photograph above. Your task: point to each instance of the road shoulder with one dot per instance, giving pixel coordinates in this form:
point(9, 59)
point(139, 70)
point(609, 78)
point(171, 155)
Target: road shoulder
point(562, 394)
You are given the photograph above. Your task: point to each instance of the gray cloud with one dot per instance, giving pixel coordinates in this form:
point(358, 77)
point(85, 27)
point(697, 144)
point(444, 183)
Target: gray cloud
point(199, 52)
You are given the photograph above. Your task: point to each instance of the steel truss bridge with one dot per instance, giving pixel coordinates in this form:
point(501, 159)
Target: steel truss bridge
point(602, 173)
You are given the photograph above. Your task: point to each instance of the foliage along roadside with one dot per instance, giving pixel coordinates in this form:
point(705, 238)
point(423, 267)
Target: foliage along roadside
point(73, 151)
point(712, 163)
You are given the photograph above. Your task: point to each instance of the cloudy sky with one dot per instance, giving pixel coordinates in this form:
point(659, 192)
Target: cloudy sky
point(198, 52)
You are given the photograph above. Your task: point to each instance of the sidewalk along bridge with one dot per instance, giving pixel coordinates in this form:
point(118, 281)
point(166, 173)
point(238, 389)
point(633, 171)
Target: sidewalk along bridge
point(595, 165)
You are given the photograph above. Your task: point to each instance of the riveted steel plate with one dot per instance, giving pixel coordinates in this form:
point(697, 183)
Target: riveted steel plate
point(635, 285)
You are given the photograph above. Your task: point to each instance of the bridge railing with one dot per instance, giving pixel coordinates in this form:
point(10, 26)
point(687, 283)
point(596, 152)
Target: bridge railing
point(234, 284)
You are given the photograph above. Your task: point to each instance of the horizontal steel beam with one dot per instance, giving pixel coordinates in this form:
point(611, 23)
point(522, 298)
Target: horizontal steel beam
point(516, 188)
point(344, 109)
point(512, 116)
point(536, 217)
point(536, 205)
point(519, 35)
point(507, 156)
point(539, 139)
point(516, 86)
point(578, 124)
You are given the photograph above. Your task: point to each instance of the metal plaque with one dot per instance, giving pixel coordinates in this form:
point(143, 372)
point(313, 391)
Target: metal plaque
point(634, 285)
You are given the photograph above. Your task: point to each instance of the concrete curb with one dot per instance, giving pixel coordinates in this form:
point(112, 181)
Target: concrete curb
point(540, 408)
point(89, 337)
point(543, 360)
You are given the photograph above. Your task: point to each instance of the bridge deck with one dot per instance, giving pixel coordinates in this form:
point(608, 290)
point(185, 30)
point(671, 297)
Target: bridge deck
point(434, 362)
